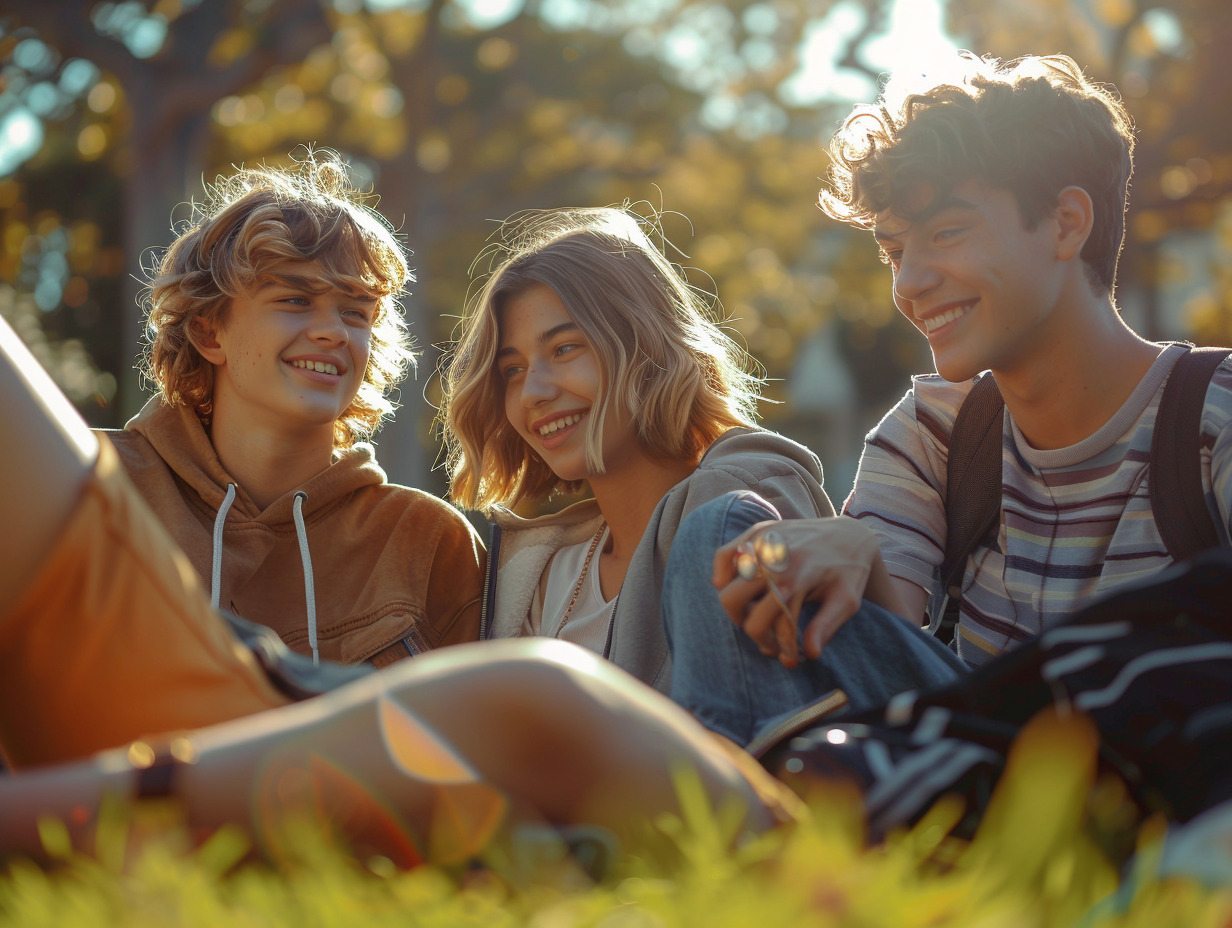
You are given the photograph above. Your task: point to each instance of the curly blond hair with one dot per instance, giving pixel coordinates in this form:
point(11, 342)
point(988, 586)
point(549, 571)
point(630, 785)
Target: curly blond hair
point(250, 222)
point(661, 353)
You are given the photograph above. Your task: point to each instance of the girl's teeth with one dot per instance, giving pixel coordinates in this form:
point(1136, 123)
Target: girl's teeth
point(561, 423)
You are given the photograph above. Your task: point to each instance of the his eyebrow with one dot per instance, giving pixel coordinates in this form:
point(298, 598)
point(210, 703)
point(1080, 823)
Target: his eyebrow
point(544, 337)
point(939, 205)
point(292, 282)
point(314, 285)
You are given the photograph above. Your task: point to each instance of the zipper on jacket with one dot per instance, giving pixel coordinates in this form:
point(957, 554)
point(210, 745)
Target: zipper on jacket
point(489, 580)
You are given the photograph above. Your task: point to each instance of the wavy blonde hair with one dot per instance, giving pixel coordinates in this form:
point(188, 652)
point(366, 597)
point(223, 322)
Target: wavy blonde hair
point(660, 350)
point(1032, 126)
point(248, 224)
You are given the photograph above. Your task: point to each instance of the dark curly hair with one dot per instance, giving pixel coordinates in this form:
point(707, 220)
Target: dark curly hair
point(1032, 126)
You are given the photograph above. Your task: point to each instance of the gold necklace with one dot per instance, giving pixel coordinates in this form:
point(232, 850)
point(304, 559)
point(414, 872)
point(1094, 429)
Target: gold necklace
point(577, 589)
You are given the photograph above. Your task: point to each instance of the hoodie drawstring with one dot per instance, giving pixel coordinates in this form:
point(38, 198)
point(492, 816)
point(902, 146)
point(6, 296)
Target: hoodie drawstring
point(219, 521)
point(309, 589)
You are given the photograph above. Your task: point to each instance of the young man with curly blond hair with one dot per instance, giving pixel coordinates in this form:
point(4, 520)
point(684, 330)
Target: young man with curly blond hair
point(275, 336)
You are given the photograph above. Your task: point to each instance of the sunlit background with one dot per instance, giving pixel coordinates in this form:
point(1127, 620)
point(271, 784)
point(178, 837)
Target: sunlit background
point(461, 112)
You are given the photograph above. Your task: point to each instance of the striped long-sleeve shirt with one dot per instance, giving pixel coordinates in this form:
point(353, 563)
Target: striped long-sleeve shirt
point(1075, 521)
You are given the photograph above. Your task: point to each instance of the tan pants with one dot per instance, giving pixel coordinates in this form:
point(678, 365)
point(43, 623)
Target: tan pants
point(114, 638)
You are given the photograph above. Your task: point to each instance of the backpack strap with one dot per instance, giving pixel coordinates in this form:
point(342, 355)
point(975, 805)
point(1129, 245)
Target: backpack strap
point(1177, 499)
point(972, 489)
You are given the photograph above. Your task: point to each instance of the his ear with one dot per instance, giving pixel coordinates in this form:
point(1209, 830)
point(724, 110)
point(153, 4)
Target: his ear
point(1074, 216)
point(204, 337)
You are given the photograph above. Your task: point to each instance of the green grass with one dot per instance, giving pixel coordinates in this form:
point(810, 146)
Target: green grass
point(818, 873)
point(1041, 858)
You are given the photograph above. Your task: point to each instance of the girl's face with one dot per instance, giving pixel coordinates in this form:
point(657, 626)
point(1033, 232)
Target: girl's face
point(552, 381)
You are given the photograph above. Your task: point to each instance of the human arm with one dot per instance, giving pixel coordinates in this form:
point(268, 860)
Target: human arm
point(889, 553)
point(834, 561)
point(455, 580)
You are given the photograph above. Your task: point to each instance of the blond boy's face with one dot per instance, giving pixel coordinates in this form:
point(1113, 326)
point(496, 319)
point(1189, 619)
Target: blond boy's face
point(291, 353)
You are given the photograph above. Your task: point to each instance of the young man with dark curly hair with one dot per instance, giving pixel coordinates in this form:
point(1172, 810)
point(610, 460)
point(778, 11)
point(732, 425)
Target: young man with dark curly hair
point(997, 198)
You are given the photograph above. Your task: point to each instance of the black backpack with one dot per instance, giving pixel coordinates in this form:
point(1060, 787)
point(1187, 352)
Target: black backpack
point(973, 483)
point(1150, 665)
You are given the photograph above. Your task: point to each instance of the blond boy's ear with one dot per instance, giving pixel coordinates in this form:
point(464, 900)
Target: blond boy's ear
point(204, 337)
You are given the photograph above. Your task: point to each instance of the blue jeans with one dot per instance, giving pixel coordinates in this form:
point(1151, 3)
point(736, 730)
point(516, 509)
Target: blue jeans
point(719, 674)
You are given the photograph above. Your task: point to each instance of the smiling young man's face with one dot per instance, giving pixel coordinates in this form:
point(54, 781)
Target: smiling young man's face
point(972, 278)
point(291, 352)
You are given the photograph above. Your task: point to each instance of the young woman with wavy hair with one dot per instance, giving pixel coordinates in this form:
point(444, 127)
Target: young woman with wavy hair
point(586, 359)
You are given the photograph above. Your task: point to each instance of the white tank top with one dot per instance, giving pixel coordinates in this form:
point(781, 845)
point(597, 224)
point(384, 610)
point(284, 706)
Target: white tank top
point(588, 623)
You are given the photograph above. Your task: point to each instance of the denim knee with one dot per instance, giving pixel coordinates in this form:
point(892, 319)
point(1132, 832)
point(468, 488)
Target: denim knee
point(721, 519)
point(688, 594)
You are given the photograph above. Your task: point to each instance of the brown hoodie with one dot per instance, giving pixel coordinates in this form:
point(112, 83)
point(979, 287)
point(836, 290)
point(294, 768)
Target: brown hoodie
point(394, 571)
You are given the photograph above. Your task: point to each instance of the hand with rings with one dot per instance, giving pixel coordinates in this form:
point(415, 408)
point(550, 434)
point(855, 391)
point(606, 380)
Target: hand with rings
point(765, 575)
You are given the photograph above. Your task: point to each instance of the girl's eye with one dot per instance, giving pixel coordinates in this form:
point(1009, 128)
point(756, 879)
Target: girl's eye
point(508, 373)
point(565, 349)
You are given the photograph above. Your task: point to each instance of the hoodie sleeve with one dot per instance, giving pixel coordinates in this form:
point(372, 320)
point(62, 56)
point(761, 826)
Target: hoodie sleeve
point(441, 560)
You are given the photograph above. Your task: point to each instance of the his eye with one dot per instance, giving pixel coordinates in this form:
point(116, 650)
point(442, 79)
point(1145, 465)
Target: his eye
point(362, 316)
point(892, 257)
point(295, 300)
point(944, 235)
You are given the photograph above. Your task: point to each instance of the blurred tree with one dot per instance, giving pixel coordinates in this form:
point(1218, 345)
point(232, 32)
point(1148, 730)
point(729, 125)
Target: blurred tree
point(149, 78)
point(462, 112)
point(459, 121)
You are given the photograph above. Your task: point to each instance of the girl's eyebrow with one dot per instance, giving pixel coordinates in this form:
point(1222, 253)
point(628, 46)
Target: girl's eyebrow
point(543, 338)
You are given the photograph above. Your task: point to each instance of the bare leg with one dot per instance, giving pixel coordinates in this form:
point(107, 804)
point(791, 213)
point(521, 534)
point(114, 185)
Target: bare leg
point(105, 632)
point(51, 453)
point(441, 752)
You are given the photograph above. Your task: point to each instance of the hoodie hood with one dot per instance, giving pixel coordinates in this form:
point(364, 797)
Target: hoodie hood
point(179, 439)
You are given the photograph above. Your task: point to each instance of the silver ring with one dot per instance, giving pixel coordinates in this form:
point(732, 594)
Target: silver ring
point(746, 561)
point(772, 551)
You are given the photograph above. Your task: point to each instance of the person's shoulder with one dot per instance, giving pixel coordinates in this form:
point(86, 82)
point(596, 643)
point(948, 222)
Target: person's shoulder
point(929, 407)
point(1219, 393)
point(134, 449)
point(754, 441)
point(940, 396)
point(1217, 407)
point(756, 454)
point(414, 501)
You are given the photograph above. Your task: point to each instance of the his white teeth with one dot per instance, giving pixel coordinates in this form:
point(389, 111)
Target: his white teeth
point(562, 423)
point(321, 367)
point(935, 322)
